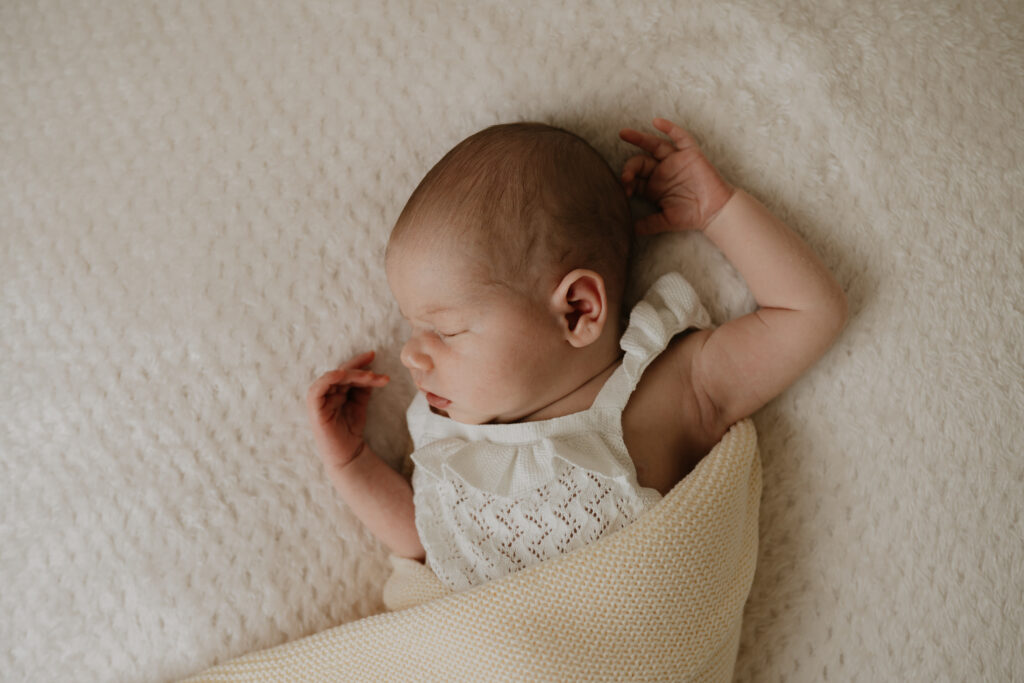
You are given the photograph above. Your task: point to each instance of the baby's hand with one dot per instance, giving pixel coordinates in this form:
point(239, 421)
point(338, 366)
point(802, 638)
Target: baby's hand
point(336, 404)
point(676, 176)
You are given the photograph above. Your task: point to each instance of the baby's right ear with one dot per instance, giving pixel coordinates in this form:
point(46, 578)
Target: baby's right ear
point(581, 305)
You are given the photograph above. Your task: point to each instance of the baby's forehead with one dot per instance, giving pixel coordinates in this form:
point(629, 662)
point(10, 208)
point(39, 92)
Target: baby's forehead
point(429, 264)
point(440, 308)
point(426, 284)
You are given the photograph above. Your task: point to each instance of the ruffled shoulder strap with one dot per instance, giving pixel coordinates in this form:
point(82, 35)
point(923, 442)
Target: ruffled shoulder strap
point(669, 307)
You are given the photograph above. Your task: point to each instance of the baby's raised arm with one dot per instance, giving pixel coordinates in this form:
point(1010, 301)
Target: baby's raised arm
point(746, 362)
point(750, 360)
point(379, 496)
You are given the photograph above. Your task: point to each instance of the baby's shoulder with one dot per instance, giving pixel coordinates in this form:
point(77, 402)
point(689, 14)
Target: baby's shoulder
point(668, 424)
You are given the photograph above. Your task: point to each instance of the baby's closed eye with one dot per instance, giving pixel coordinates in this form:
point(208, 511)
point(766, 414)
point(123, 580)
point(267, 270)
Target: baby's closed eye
point(431, 330)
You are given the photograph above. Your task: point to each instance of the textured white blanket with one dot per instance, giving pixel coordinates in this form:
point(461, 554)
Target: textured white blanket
point(195, 199)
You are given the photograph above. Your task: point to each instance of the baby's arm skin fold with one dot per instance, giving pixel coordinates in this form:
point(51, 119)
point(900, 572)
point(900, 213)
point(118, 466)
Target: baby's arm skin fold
point(378, 495)
point(748, 361)
point(737, 368)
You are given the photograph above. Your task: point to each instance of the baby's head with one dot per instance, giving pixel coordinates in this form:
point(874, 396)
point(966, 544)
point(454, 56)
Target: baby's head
point(510, 261)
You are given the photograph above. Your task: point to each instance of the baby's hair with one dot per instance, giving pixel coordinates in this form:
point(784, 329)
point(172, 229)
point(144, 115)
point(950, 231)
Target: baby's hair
point(530, 202)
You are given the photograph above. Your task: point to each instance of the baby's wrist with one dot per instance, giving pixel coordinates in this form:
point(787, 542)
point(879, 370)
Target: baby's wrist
point(354, 455)
point(337, 459)
point(344, 474)
point(717, 200)
point(730, 196)
point(360, 449)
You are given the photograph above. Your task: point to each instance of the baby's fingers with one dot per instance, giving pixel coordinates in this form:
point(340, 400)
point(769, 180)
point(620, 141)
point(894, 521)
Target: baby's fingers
point(657, 147)
point(680, 138)
point(640, 166)
point(354, 377)
point(341, 379)
point(360, 361)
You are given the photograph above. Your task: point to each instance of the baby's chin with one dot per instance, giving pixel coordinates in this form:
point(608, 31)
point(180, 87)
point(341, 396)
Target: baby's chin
point(453, 413)
point(438, 411)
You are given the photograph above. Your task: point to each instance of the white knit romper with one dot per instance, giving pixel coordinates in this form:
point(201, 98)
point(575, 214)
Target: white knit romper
point(495, 498)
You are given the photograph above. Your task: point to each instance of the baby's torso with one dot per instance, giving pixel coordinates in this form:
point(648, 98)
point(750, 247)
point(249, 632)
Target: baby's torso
point(473, 535)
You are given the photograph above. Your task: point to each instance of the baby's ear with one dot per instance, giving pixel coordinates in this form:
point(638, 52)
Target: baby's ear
point(581, 304)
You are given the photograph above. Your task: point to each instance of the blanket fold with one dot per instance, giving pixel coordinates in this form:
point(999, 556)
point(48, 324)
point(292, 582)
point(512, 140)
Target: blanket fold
point(662, 599)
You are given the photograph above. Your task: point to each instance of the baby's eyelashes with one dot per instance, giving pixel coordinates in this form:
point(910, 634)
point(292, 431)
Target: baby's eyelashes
point(440, 334)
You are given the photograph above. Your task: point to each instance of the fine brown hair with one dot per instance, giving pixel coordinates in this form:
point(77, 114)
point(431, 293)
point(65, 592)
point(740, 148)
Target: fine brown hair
point(530, 202)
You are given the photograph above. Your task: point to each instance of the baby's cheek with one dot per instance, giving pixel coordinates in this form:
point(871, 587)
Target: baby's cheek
point(528, 368)
point(491, 378)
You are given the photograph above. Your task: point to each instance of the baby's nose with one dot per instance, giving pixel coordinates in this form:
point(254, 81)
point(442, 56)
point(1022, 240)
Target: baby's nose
point(413, 358)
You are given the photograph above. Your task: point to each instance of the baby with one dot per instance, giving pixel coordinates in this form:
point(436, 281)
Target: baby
point(544, 421)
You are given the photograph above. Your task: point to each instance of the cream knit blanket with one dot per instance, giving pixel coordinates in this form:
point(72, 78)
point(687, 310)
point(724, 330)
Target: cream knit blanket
point(660, 600)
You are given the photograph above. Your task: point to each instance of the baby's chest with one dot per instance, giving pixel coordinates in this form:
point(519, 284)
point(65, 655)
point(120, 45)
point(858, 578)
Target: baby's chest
point(574, 503)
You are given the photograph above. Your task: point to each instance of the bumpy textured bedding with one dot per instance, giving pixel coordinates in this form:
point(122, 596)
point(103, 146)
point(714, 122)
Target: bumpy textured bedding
point(196, 197)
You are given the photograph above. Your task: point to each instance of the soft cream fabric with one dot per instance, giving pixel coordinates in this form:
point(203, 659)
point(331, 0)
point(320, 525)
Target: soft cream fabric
point(661, 600)
point(492, 499)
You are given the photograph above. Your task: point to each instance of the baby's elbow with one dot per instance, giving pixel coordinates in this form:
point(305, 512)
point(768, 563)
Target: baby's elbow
point(824, 322)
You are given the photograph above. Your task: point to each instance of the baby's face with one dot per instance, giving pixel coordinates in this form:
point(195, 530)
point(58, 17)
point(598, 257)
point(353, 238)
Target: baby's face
point(479, 354)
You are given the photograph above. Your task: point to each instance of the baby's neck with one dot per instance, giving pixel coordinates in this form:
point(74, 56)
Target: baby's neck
point(579, 399)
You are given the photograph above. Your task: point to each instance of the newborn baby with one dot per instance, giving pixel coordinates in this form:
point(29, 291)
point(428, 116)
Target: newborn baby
point(548, 418)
